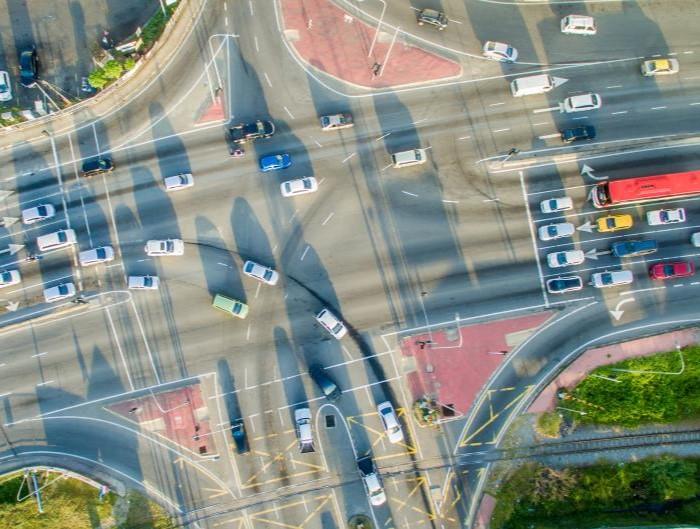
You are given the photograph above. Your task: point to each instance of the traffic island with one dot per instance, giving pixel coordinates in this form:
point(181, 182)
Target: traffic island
point(338, 44)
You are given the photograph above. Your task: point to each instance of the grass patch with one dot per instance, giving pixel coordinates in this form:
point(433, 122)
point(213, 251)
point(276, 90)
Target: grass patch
point(661, 490)
point(549, 424)
point(643, 397)
point(155, 26)
point(72, 504)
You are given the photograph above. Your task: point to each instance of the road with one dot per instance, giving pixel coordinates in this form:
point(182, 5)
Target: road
point(389, 250)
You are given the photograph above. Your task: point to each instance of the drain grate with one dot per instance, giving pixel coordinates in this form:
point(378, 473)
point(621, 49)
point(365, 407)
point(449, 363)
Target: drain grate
point(330, 421)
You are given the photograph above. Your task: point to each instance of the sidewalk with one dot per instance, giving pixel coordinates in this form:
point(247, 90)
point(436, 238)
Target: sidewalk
point(335, 42)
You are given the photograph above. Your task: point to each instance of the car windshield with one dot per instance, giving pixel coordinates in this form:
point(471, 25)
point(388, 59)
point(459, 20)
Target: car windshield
point(561, 258)
point(183, 179)
point(168, 246)
point(237, 307)
point(249, 267)
point(148, 281)
point(287, 187)
point(610, 222)
point(664, 216)
point(63, 290)
point(41, 211)
point(551, 230)
point(62, 236)
point(307, 184)
point(267, 275)
point(606, 279)
point(337, 328)
point(509, 51)
point(5, 277)
point(3, 87)
point(101, 254)
point(669, 269)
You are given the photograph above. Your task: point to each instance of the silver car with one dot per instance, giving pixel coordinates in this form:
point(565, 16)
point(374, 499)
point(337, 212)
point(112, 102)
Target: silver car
point(390, 421)
point(262, 273)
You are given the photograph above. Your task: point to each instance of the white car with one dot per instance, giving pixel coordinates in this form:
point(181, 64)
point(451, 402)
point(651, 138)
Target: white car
point(656, 67)
point(9, 278)
point(500, 51)
point(568, 258)
point(178, 182)
point(143, 282)
point(336, 121)
point(260, 272)
point(301, 186)
point(578, 25)
point(582, 103)
point(59, 292)
point(556, 231)
point(5, 86)
point(38, 213)
point(158, 248)
point(611, 279)
point(390, 421)
point(665, 216)
point(695, 239)
point(93, 256)
point(56, 240)
point(331, 323)
point(371, 480)
point(554, 205)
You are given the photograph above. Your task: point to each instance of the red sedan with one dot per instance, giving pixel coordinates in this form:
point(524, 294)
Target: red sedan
point(671, 270)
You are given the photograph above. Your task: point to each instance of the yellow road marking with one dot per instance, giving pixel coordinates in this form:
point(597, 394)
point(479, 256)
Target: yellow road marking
point(516, 399)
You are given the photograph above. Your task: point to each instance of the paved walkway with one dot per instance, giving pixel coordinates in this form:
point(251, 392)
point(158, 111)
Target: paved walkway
point(335, 42)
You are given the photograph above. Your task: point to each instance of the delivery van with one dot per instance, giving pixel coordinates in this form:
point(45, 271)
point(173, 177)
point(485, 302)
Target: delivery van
point(531, 85)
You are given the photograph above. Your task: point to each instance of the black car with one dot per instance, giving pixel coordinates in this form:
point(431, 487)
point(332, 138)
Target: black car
point(432, 17)
point(578, 133)
point(239, 436)
point(28, 67)
point(94, 166)
point(245, 132)
point(329, 388)
point(560, 285)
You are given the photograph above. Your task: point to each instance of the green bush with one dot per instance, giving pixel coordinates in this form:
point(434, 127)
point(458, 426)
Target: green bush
point(129, 63)
point(97, 78)
point(113, 69)
point(549, 424)
point(154, 27)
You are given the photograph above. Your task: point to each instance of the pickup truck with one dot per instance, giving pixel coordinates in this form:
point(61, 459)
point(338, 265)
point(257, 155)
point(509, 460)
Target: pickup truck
point(336, 121)
point(245, 132)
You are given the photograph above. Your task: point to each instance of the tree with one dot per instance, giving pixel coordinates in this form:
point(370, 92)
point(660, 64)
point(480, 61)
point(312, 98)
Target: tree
point(129, 63)
point(113, 70)
point(97, 78)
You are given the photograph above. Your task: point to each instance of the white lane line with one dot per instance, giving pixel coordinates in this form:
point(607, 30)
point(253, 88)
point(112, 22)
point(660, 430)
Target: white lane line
point(304, 254)
point(614, 86)
point(329, 217)
point(531, 226)
point(496, 104)
point(348, 157)
point(382, 137)
point(541, 123)
point(226, 21)
point(288, 112)
point(582, 117)
point(257, 290)
point(494, 200)
point(386, 167)
point(6, 395)
point(450, 201)
point(619, 112)
point(691, 78)
point(547, 136)
point(119, 347)
point(250, 6)
point(224, 264)
point(658, 108)
point(504, 130)
point(257, 47)
point(455, 21)
point(267, 78)
point(317, 143)
point(39, 354)
point(419, 121)
point(693, 104)
point(464, 138)
point(247, 334)
point(45, 383)
point(321, 181)
point(689, 52)
point(293, 215)
point(657, 55)
point(408, 193)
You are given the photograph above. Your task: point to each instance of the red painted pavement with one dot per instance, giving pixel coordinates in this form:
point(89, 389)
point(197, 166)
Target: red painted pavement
point(588, 361)
point(178, 415)
point(337, 43)
point(454, 372)
point(213, 112)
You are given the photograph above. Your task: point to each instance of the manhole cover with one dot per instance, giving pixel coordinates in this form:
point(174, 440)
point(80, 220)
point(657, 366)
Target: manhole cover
point(330, 421)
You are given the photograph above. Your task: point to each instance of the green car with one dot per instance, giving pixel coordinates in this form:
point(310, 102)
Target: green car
point(230, 306)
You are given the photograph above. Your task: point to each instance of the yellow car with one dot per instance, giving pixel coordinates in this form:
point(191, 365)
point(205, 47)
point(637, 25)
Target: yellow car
point(614, 223)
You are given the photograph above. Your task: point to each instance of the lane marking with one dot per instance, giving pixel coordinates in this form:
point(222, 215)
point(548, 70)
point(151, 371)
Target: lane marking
point(505, 130)
point(533, 239)
point(288, 112)
point(614, 86)
point(328, 218)
point(39, 355)
point(257, 48)
point(408, 193)
point(45, 383)
point(348, 157)
point(658, 108)
point(119, 348)
point(304, 254)
point(618, 113)
point(267, 78)
point(382, 137)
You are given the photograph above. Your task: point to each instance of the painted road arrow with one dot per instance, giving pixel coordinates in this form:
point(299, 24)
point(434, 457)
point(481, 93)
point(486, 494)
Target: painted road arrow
point(617, 313)
point(12, 249)
point(594, 254)
point(558, 81)
point(12, 306)
point(587, 170)
point(586, 227)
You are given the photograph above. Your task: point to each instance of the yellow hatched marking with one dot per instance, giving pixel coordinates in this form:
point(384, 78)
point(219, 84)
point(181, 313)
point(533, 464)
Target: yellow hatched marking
point(513, 402)
point(216, 492)
point(257, 516)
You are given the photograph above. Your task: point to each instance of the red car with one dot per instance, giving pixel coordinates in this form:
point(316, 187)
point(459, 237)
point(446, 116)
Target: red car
point(671, 270)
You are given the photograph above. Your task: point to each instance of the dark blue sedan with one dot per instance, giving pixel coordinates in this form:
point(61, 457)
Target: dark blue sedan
point(275, 162)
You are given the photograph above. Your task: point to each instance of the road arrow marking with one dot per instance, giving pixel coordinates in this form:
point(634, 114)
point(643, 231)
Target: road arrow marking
point(587, 170)
point(12, 249)
point(586, 227)
point(594, 254)
point(558, 81)
point(617, 313)
point(12, 306)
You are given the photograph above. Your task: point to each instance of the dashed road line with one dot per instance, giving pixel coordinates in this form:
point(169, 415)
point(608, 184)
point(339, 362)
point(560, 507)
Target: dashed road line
point(382, 137)
point(614, 86)
point(45, 383)
point(501, 130)
point(330, 215)
point(619, 112)
point(409, 193)
point(348, 157)
point(288, 112)
point(39, 355)
point(304, 254)
point(658, 108)
point(267, 78)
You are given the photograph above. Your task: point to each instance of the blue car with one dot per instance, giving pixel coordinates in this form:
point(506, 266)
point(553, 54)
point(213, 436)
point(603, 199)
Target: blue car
point(275, 162)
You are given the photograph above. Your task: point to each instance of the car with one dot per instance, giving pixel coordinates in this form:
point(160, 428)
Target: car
point(567, 258)
point(633, 248)
point(102, 254)
point(499, 51)
point(302, 421)
point(38, 213)
point(164, 247)
point(695, 239)
point(5, 87)
point(666, 216)
point(300, 186)
point(578, 25)
point(230, 306)
point(28, 67)
point(143, 282)
point(390, 421)
point(611, 279)
point(331, 323)
point(432, 17)
point(582, 103)
point(337, 121)
point(245, 132)
point(9, 278)
point(654, 67)
point(95, 166)
point(556, 231)
point(59, 292)
point(239, 436)
point(561, 285)
point(262, 273)
point(275, 162)
point(327, 386)
point(611, 223)
point(56, 240)
point(178, 182)
point(371, 480)
point(585, 132)
point(554, 205)
point(671, 270)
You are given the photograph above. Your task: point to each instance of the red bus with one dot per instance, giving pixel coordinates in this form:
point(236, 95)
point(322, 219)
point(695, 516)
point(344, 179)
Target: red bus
point(646, 188)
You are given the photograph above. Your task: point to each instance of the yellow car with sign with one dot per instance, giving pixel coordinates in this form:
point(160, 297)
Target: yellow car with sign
point(614, 223)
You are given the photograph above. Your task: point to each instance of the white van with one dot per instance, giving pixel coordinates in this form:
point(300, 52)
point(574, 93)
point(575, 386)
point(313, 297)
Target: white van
point(94, 256)
point(56, 240)
point(611, 279)
point(406, 158)
point(531, 85)
point(578, 25)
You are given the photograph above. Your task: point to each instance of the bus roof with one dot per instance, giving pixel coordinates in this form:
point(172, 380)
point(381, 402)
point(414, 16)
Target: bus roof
point(653, 187)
